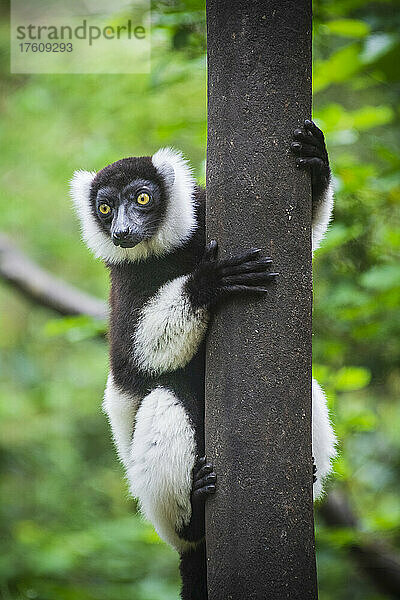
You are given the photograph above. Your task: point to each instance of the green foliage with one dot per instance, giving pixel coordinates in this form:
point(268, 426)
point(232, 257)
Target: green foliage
point(68, 526)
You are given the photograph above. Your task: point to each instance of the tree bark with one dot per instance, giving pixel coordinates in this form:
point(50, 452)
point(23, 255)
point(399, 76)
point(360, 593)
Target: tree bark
point(260, 529)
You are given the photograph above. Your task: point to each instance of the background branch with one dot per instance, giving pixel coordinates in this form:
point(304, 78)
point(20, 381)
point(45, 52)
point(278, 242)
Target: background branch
point(373, 556)
point(43, 288)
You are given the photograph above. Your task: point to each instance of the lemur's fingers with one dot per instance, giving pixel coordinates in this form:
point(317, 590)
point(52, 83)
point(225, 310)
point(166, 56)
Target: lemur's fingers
point(307, 137)
point(211, 251)
point(248, 279)
point(205, 470)
point(204, 492)
point(249, 288)
point(242, 257)
point(254, 266)
point(313, 163)
point(201, 462)
point(209, 479)
point(312, 128)
point(302, 149)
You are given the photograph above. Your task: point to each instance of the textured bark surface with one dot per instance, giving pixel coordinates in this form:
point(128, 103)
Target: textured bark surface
point(260, 531)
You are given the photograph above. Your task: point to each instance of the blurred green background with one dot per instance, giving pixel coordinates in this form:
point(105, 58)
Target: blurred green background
point(69, 530)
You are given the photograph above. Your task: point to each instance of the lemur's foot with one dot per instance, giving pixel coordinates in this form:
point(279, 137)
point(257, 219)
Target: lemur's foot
point(203, 486)
point(310, 149)
point(204, 481)
point(244, 272)
point(314, 470)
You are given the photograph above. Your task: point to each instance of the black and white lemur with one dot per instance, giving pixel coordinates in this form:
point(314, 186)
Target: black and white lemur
point(145, 218)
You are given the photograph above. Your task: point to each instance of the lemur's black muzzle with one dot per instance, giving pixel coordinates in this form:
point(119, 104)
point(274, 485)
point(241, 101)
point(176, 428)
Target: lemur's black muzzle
point(125, 238)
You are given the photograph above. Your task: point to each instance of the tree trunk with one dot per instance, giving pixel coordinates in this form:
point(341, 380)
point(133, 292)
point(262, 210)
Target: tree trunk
point(260, 529)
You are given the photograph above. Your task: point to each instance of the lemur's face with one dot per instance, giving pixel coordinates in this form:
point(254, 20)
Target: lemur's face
point(129, 201)
point(136, 207)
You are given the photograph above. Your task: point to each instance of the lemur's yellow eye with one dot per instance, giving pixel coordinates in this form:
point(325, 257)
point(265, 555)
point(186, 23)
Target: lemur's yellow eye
point(105, 209)
point(143, 199)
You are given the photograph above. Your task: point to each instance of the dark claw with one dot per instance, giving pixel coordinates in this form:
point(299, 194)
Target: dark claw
point(204, 480)
point(246, 279)
point(313, 129)
point(207, 468)
point(203, 492)
point(248, 288)
point(211, 250)
point(211, 478)
point(244, 257)
point(250, 267)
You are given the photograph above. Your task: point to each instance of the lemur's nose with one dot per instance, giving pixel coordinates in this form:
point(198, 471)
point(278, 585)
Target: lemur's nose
point(126, 238)
point(120, 235)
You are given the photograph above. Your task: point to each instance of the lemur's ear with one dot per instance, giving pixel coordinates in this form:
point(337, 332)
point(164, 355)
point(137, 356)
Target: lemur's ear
point(174, 169)
point(180, 218)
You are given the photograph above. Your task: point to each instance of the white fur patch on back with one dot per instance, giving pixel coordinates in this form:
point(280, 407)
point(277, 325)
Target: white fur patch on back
point(120, 408)
point(178, 225)
point(323, 438)
point(322, 218)
point(169, 330)
point(162, 458)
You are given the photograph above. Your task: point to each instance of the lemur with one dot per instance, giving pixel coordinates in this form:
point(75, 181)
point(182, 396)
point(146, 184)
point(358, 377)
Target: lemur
point(145, 218)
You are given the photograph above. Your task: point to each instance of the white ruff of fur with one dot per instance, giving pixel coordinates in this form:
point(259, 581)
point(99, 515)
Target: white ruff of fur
point(323, 438)
point(169, 330)
point(160, 467)
point(120, 408)
point(177, 227)
point(322, 218)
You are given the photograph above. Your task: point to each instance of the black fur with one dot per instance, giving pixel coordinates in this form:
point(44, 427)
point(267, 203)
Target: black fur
point(194, 574)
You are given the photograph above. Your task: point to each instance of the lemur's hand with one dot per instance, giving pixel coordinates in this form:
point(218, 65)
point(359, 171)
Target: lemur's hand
point(309, 147)
point(213, 278)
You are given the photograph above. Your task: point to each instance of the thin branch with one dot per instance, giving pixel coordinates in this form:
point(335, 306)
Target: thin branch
point(43, 288)
point(373, 556)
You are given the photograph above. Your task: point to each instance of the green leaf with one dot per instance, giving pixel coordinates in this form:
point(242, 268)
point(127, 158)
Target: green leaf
point(339, 67)
point(352, 378)
point(348, 28)
point(75, 329)
point(382, 277)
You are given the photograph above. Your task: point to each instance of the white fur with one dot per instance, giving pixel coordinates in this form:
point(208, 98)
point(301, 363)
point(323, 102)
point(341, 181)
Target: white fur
point(180, 220)
point(162, 457)
point(120, 408)
point(323, 438)
point(177, 227)
point(169, 330)
point(322, 218)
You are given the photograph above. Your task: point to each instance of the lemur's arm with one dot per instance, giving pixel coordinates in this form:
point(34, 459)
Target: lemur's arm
point(173, 323)
point(310, 149)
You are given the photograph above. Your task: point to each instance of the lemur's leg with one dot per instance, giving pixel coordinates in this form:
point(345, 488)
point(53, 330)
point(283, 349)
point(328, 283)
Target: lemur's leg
point(323, 438)
point(193, 568)
point(161, 463)
point(174, 321)
point(120, 408)
point(170, 484)
point(309, 147)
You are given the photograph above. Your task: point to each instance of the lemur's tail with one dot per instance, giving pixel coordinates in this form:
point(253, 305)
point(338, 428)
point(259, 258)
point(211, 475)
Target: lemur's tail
point(194, 574)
